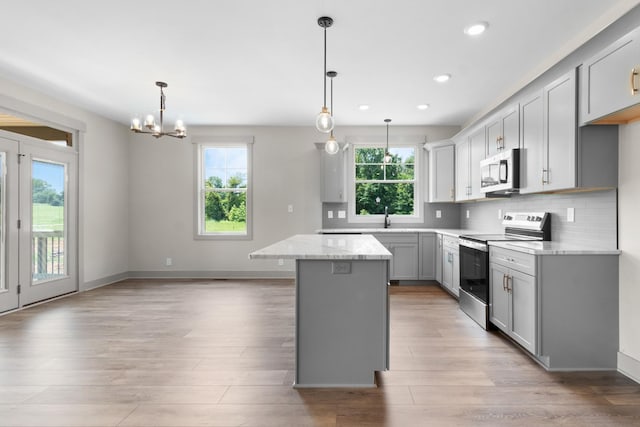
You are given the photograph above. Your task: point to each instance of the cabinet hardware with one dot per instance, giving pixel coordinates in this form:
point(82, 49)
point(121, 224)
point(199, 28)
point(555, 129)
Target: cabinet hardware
point(543, 180)
point(499, 143)
point(504, 285)
point(634, 73)
point(509, 278)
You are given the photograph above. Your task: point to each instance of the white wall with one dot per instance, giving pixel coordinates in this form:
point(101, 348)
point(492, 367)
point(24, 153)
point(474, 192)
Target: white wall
point(286, 171)
point(103, 184)
point(629, 241)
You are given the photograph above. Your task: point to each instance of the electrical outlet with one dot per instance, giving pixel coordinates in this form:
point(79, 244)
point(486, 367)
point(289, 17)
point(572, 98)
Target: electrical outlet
point(468, 214)
point(571, 214)
point(330, 214)
point(280, 261)
point(342, 214)
point(169, 262)
point(290, 208)
point(499, 213)
point(438, 213)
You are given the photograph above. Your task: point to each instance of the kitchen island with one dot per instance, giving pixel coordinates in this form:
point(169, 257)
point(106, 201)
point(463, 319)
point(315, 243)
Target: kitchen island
point(342, 307)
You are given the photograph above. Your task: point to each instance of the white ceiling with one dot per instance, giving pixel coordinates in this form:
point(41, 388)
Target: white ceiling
point(258, 62)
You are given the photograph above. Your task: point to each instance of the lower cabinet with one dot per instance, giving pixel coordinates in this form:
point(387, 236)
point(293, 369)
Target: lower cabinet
point(404, 248)
point(451, 265)
point(427, 256)
point(512, 302)
point(439, 258)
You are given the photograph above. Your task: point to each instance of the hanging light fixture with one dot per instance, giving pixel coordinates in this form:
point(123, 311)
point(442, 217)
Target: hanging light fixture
point(324, 120)
point(156, 129)
point(331, 146)
point(387, 154)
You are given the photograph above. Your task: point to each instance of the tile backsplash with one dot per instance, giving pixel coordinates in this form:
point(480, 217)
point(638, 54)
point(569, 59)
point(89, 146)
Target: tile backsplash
point(449, 217)
point(595, 215)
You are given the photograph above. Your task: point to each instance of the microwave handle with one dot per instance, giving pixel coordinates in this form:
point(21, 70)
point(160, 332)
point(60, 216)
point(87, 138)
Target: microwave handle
point(503, 172)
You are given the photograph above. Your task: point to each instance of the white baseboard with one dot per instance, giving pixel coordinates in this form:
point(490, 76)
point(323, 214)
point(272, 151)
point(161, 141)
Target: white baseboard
point(629, 366)
point(212, 275)
point(87, 286)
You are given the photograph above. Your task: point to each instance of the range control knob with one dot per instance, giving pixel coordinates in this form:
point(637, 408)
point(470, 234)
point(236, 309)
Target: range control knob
point(529, 218)
point(538, 218)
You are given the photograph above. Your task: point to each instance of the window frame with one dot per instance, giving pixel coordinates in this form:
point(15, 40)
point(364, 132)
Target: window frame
point(201, 144)
point(418, 197)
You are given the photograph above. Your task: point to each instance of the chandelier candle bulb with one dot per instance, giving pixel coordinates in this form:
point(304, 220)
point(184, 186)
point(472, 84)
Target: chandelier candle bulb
point(135, 124)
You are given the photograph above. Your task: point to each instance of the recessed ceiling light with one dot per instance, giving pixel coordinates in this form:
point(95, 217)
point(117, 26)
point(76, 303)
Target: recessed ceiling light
point(476, 29)
point(442, 78)
point(423, 106)
point(363, 107)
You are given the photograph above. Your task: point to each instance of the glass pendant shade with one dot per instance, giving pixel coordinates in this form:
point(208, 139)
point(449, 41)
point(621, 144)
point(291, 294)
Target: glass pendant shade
point(324, 121)
point(331, 146)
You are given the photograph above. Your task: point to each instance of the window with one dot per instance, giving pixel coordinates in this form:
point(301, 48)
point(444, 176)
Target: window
point(224, 190)
point(377, 184)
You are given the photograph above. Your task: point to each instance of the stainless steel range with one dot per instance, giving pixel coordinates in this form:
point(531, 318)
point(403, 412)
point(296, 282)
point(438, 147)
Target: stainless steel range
point(474, 259)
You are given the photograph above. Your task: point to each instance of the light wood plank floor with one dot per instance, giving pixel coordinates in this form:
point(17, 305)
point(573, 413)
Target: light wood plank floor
point(220, 353)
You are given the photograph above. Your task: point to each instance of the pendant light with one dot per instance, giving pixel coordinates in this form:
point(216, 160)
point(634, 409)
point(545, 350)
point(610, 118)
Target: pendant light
point(331, 146)
point(387, 154)
point(156, 129)
point(324, 121)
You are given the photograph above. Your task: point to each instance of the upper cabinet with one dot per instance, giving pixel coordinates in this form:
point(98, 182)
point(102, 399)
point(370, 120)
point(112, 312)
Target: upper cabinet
point(333, 175)
point(503, 130)
point(610, 83)
point(557, 155)
point(469, 151)
point(441, 173)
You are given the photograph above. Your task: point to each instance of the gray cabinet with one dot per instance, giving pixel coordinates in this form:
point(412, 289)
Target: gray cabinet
point(563, 309)
point(556, 154)
point(512, 297)
point(332, 168)
point(532, 142)
point(404, 248)
point(503, 130)
point(441, 173)
point(439, 258)
point(427, 256)
point(469, 152)
point(451, 265)
point(549, 137)
point(609, 82)
point(559, 149)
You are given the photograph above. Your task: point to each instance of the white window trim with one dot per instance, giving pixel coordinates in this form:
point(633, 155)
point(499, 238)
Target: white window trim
point(418, 201)
point(201, 142)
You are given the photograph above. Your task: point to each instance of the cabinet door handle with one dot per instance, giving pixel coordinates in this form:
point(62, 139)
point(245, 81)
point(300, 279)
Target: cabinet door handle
point(634, 73)
point(504, 285)
point(508, 288)
point(451, 194)
point(543, 180)
point(499, 143)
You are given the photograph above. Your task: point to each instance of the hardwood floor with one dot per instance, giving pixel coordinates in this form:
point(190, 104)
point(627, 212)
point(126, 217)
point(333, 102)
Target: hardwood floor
point(220, 353)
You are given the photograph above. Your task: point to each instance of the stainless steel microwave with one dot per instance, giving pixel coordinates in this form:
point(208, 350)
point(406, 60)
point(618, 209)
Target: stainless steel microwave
point(500, 174)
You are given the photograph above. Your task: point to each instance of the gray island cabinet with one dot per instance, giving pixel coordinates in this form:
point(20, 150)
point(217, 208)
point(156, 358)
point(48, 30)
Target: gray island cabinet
point(342, 307)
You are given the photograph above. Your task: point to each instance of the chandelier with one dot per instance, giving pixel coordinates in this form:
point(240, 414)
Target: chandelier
point(156, 129)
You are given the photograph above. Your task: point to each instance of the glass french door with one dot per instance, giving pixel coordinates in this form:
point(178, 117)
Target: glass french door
point(9, 298)
point(39, 219)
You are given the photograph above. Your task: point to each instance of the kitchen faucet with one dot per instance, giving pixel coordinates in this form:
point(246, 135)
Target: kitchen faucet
point(387, 221)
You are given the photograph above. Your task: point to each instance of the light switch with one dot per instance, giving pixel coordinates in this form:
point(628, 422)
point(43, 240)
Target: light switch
point(342, 214)
point(499, 213)
point(467, 213)
point(571, 214)
point(290, 208)
point(438, 213)
point(330, 214)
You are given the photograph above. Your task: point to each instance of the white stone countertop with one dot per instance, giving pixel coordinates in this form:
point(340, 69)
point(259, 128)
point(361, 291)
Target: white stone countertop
point(554, 248)
point(455, 232)
point(325, 246)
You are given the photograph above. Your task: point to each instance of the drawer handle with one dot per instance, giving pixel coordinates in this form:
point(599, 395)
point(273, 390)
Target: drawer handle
point(634, 73)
